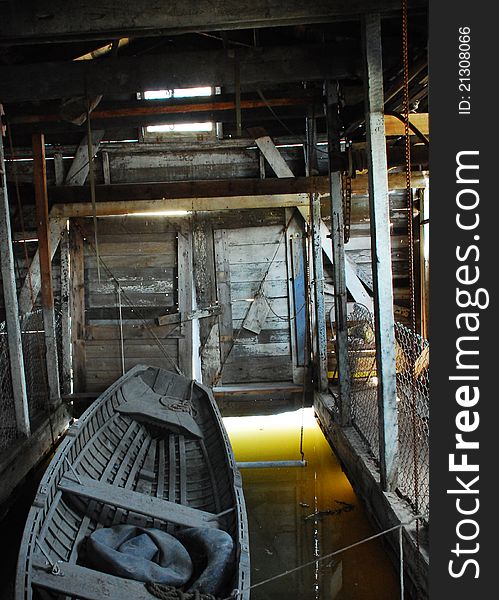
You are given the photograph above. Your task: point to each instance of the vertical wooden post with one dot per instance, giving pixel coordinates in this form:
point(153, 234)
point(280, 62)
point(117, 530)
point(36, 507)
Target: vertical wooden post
point(320, 308)
point(338, 252)
point(77, 307)
point(206, 295)
point(381, 252)
point(222, 267)
point(11, 308)
point(58, 168)
point(66, 315)
point(185, 297)
point(41, 198)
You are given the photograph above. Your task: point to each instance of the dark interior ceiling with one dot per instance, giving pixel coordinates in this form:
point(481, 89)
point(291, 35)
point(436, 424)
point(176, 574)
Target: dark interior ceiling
point(275, 63)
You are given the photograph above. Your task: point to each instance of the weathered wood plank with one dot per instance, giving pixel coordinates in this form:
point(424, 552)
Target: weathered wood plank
point(125, 75)
point(65, 312)
point(394, 126)
point(139, 286)
point(250, 351)
point(42, 215)
point(133, 248)
point(78, 172)
point(137, 331)
point(381, 264)
point(244, 236)
point(279, 309)
point(133, 348)
point(139, 261)
point(257, 313)
point(16, 359)
point(223, 274)
point(77, 307)
point(129, 207)
point(247, 290)
point(138, 503)
point(185, 300)
point(32, 284)
point(245, 371)
point(254, 272)
point(259, 253)
point(134, 299)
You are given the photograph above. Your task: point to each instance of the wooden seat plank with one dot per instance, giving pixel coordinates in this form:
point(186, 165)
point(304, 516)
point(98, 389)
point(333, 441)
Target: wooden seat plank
point(139, 503)
point(86, 584)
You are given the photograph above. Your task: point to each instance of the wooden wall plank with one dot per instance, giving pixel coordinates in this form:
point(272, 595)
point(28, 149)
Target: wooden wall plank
point(77, 307)
point(185, 301)
point(223, 274)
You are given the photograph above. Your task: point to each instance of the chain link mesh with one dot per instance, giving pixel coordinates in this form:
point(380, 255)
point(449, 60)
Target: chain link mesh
point(413, 417)
point(363, 385)
point(412, 357)
point(35, 369)
point(7, 411)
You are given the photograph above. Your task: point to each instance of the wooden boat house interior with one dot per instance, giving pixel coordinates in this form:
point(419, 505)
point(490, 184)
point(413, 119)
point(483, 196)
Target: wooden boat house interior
point(234, 191)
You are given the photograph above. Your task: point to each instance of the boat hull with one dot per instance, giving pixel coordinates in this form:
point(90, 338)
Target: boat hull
point(151, 452)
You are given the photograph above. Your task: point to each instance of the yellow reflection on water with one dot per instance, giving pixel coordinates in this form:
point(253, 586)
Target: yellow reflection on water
point(292, 518)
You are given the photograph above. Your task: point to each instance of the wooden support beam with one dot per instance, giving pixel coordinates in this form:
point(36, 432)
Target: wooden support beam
point(297, 294)
point(77, 307)
point(127, 75)
point(295, 265)
point(32, 282)
point(11, 309)
point(185, 300)
point(394, 126)
point(151, 112)
point(58, 168)
point(78, 172)
point(104, 209)
point(315, 222)
point(342, 279)
point(40, 175)
point(381, 253)
point(222, 268)
point(176, 190)
point(225, 188)
point(66, 312)
point(139, 18)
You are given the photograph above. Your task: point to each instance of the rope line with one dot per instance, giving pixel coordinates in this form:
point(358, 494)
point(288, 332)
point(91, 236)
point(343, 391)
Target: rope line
point(336, 552)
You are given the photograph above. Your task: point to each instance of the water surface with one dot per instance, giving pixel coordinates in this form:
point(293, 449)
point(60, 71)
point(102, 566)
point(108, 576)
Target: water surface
point(285, 530)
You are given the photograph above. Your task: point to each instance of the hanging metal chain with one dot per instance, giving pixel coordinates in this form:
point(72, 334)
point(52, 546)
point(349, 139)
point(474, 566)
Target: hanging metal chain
point(410, 235)
point(347, 205)
point(410, 231)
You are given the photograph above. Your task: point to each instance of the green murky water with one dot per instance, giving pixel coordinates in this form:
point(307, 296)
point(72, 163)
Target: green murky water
point(284, 530)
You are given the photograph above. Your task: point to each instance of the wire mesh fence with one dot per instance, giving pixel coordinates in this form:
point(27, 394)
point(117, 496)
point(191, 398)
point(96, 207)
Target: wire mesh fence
point(412, 373)
point(35, 369)
point(7, 411)
point(413, 417)
point(363, 383)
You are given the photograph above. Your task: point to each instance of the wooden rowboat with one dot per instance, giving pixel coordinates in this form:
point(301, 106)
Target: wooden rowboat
point(150, 455)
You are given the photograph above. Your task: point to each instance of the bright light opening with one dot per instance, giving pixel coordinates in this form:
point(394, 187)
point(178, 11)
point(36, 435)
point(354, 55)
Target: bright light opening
point(160, 213)
point(195, 92)
point(178, 93)
point(180, 127)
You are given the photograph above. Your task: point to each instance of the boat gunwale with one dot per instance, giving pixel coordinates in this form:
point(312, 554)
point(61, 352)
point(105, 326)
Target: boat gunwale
point(47, 489)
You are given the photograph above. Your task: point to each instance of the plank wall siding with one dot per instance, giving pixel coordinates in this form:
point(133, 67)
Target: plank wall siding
point(142, 255)
point(255, 253)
